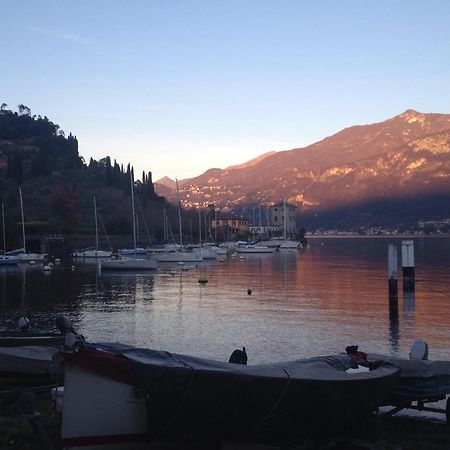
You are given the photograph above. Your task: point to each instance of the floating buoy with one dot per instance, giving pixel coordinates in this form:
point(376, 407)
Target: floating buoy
point(32, 263)
point(241, 257)
point(72, 268)
point(50, 264)
point(249, 291)
point(57, 260)
point(181, 263)
point(202, 279)
point(47, 268)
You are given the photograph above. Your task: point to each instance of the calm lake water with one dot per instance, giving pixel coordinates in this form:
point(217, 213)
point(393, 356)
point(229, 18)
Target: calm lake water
point(304, 303)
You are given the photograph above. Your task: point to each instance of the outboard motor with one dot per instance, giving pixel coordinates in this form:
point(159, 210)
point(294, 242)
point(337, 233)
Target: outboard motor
point(24, 324)
point(63, 324)
point(239, 357)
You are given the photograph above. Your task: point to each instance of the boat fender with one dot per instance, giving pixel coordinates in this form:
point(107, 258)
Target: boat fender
point(238, 357)
point(419, 350)
point(63, 324)
point(24, 324)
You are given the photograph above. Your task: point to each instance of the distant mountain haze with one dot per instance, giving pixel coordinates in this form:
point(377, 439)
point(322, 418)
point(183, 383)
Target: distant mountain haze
point(403, 157)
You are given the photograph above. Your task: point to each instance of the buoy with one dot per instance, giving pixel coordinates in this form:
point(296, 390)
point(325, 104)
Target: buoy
point(50, 264)
point(32, 263)
point(181, 263)
point(73, 268)
point(202, 279)
point(47, 268)
point(249, 291)
point(241, 257)
point(57, 260)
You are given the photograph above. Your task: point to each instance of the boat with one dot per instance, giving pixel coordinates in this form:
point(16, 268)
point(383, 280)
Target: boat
point(133, 262)
point(93, 252)
point(29, 359)
point(22, 253)
point(251, 248)
point(134, 396)
point(179, 256)
point(5, 259)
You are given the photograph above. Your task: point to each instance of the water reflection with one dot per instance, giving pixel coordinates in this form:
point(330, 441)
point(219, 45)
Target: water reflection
point(314, 301)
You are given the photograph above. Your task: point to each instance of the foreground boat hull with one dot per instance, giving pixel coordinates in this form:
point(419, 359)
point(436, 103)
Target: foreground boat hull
point(193, 397)
point(99, 412)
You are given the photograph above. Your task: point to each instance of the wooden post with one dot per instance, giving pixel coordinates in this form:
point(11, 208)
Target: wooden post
point(408, 269)
point(392, 270)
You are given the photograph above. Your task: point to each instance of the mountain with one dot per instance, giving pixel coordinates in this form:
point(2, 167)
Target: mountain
point(404, 157)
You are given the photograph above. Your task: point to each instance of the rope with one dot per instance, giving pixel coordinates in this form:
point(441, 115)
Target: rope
point(275, 406)
point(180, 405)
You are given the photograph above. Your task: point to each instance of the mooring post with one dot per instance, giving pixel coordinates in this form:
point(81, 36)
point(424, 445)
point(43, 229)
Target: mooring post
point(392, 270)
point(408, 269)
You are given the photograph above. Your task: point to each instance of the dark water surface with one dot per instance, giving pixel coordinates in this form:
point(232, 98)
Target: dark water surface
point(314, 301)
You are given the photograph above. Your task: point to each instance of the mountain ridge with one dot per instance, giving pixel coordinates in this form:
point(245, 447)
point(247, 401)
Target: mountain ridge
point(403, 156)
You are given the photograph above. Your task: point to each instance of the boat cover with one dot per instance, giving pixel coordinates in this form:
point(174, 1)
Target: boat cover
point(419, 379)
point(189, 396)
point(27, 360)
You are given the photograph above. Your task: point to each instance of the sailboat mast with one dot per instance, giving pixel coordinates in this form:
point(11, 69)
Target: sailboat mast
point(285, 219)
point(4, 232)
point(200, 226)
point(215, 227)
point(96, 225)
point(179, 215)
point(134, 213)
point(23, 220)
point(165, 234)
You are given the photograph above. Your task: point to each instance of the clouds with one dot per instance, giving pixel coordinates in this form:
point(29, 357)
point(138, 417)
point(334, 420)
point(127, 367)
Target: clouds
point(79, 41)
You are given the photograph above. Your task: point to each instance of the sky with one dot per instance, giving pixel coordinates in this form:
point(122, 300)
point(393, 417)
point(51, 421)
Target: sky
point(180, 86)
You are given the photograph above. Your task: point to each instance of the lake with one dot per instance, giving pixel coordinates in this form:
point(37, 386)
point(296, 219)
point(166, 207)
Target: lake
point(311, 302)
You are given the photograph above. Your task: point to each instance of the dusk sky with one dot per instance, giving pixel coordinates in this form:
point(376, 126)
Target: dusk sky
point(177, 87)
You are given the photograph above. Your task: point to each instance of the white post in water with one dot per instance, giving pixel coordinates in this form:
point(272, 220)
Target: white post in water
point(393, 285)
point(408, 269)
point(392, 270)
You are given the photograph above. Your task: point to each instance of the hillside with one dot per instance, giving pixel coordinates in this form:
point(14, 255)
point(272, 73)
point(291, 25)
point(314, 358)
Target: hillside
point(403, 158)
point(58, 186)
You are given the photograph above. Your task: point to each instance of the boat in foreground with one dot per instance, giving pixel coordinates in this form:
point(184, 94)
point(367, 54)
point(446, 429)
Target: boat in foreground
point(131, 396)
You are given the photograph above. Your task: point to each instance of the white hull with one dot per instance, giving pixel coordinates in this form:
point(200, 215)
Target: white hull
point(255, 249)
point(100, 413)
point(179, 257)
point(27, 257)
point(289, 244)
point(129, 264)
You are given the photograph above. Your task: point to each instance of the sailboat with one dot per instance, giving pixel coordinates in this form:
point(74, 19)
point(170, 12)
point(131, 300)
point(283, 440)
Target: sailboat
point(22, 252)
point(93, 253)
point(134, 262)
point(6, 260)
point(179, 255)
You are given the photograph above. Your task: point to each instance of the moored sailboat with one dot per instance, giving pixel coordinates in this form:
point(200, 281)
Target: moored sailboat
point(134, 262)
